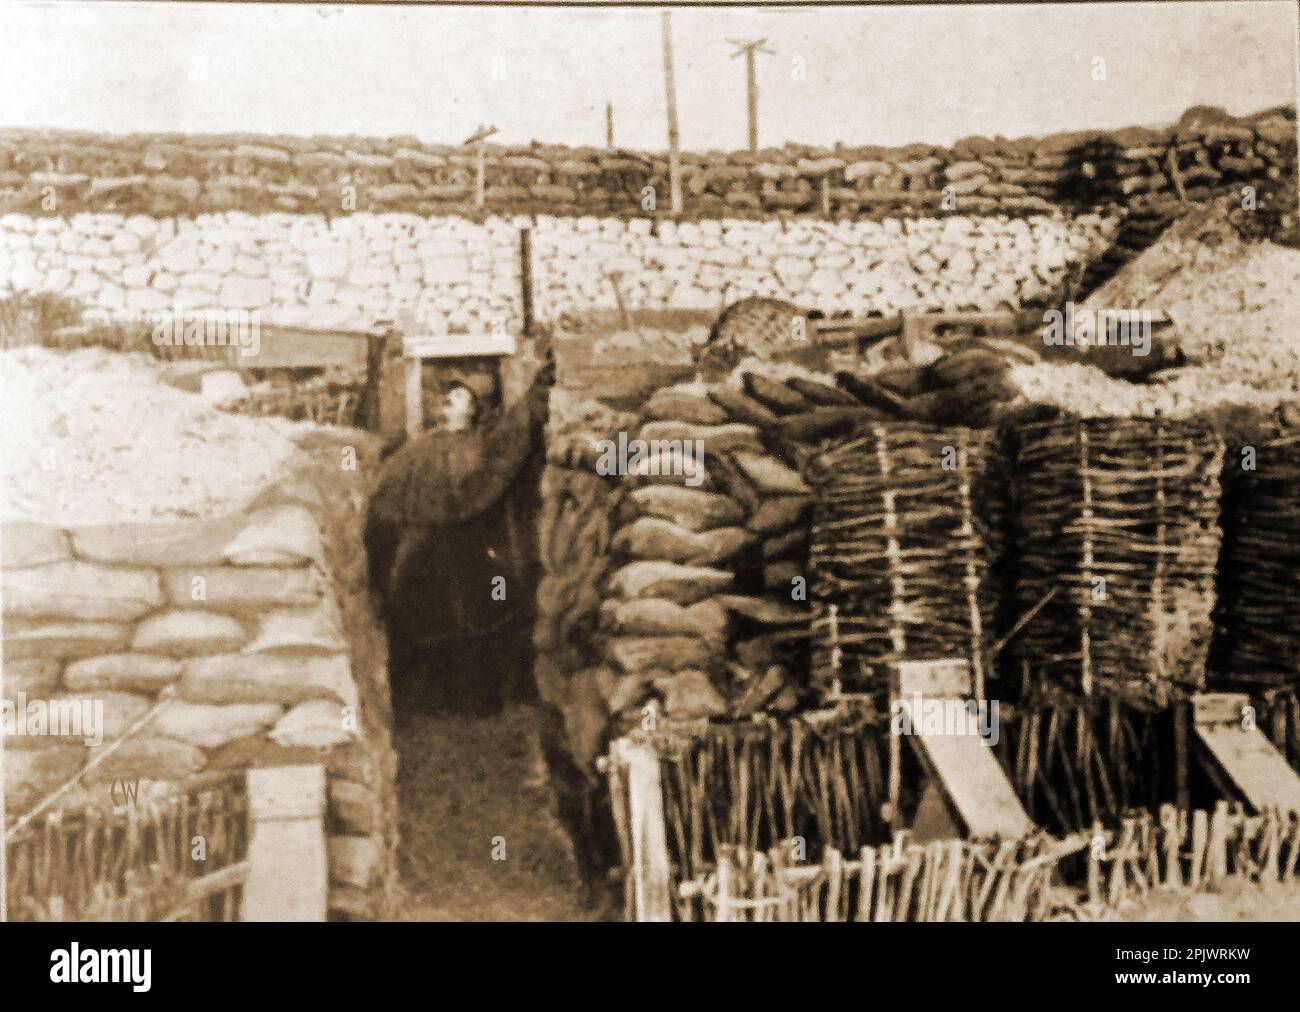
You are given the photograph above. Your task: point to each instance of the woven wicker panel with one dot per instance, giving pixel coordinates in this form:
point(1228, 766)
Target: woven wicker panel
point(1120, 517)
point(324, 402)
point(900, 554)
point(1260, 611)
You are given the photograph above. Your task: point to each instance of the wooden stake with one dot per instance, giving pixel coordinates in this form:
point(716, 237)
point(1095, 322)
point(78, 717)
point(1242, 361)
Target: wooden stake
point(526, 278)
point(1182, 789)
point(649, 840)
point(1216, 857)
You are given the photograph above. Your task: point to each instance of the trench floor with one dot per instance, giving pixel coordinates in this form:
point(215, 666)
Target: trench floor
point(480, 840)
point(466, 784)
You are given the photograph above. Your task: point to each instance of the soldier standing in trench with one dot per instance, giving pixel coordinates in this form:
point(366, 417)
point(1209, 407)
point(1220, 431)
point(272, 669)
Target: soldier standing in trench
point(449, 550)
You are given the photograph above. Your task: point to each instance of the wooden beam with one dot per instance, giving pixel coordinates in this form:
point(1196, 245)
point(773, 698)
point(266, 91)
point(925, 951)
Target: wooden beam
point(414, 396)
point(526, 278)
point(650, 869)
point(288, 870)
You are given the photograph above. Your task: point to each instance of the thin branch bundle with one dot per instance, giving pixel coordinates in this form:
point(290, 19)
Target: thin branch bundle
point(902, 546)
point(1122, 517)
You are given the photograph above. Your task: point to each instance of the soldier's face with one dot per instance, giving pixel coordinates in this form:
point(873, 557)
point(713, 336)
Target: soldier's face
point(457, 410)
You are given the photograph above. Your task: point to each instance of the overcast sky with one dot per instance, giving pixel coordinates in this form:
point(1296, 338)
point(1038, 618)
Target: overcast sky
point(869, 74)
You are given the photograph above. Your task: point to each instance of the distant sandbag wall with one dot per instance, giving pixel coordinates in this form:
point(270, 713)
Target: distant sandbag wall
point(46, 171)
point(258, 625)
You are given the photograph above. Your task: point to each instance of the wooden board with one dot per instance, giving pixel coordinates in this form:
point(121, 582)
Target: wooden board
point(1245, 757)
point(487, 345)
point(974, 783)
point(949, 678)
point(960, 765)
point(301, 348)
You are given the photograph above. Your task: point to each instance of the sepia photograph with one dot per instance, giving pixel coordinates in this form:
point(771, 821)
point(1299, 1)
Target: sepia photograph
point(609, 463)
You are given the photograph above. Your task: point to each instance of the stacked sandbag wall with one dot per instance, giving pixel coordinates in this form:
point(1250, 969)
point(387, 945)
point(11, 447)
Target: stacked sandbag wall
point(251, 635)
point(674, 539)
point(44, 171)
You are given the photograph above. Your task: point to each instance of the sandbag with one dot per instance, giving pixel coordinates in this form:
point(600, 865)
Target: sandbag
point(727, 476)
point(671, 466)
point(783, 545)
point(770, 476)
point(677, 405)
point(742, 408)
point(870, 392)
point(207, 726)
point(730, 436)
point(777, 513)
point(762, 609)
point(146, 758)
point(637, 654)
point(964, 366)
point(821, 394)
point(689, 695)
point(656, 538)
point(693, 509)
point(682, 584)
point(317, 723)
point(779, 577)
point(822, 422)
point(653, 616)
point(774, 396)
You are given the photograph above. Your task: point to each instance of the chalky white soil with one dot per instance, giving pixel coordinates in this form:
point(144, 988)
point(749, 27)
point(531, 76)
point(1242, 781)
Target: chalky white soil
point(1237, 310)
point(93, 436)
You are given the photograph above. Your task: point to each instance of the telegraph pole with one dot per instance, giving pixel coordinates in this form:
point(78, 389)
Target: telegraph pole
point(751, 49)
point(670, 86)
point(609, 124)
point(477, 138)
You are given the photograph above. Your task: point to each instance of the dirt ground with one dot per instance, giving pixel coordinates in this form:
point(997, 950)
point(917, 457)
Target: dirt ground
point(1237, 901)
point(471, 791)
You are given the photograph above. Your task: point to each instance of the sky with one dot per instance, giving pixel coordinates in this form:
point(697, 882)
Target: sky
point(860, 75)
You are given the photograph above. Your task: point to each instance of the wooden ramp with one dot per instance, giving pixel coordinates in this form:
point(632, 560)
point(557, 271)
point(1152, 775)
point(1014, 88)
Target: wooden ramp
point(958, 762)
point(1241, 755)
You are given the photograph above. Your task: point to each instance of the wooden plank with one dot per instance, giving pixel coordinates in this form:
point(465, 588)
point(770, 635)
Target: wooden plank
point(281, 347)
point(487, 345)
point(949, 678)
point(959, 764)
point(414, 397)
point(1250, 762)
point(974, 783)
point(650, 868)
point(206, 887)
point(288, 870)
point(1219, 707)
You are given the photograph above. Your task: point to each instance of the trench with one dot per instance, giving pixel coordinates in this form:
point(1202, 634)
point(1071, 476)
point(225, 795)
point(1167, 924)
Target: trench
point(483, 773)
